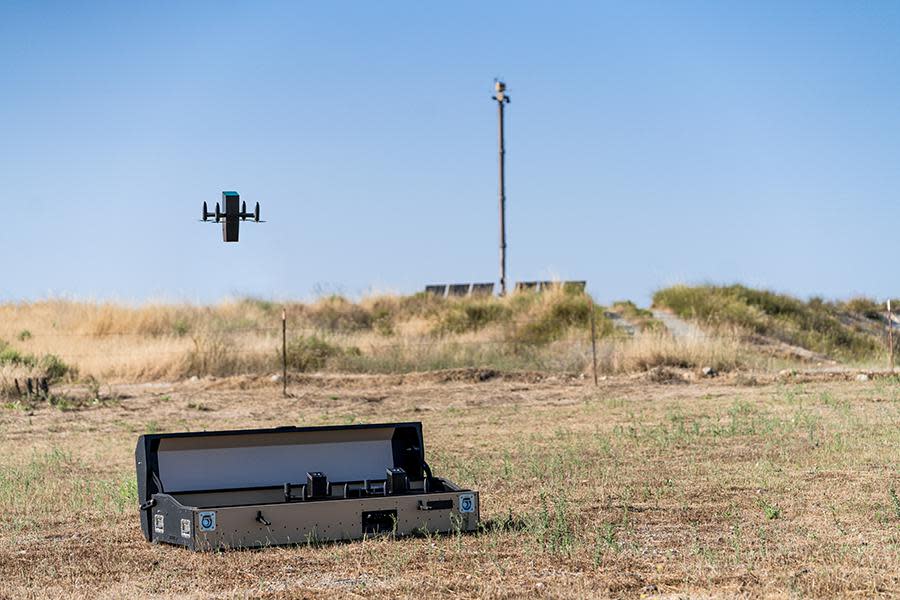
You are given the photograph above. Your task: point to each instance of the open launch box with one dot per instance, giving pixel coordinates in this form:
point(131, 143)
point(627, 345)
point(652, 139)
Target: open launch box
point(264, 487)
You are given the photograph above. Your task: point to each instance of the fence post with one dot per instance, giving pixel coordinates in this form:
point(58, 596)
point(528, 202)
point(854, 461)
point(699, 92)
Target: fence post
point(284, 351)
point(594, 341)
point(890, 324)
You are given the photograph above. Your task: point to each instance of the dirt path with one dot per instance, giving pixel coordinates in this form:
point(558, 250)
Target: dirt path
point(621, 324)
point(678, 327)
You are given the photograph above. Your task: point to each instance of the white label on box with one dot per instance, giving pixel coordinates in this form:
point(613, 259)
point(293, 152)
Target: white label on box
point(186, 528)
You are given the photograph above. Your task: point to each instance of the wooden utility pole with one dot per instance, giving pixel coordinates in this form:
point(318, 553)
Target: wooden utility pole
point(502, 98)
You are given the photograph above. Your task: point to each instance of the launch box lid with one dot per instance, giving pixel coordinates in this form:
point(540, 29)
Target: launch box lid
point(257, 458)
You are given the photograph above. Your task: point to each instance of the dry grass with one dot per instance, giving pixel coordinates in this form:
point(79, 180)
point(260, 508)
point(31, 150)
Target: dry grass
point(719, 352)
point(112, 342)
point(824, 327)
point(627, 490)
point(547, 332)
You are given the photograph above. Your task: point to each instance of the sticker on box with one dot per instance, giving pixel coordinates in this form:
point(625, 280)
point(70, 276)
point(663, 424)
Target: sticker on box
point(208, 521)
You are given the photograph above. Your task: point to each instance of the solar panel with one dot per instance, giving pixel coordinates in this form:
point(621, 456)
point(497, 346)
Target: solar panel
point(575, 287)
point(436, 290)
point(548, 286)
point(458, 289)
point(527, 286)
point(482, 289)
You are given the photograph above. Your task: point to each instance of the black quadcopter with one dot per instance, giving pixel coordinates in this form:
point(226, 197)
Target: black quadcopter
point(235, 212)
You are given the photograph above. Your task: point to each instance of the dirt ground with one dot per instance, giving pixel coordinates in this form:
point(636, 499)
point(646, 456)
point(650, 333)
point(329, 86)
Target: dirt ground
point(724, 487)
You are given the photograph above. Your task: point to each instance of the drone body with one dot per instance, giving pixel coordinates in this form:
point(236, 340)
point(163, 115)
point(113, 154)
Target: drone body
point(235, 212)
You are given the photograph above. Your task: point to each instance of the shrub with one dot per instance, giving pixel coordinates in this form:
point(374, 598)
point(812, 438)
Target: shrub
point(337, 314)
point(383, 317)
point(815, 324)
point(867, 307)
point(557, 314)
point(48, 365)
point(10, 356)
point(312, 353)
point(54, 368)
point(471, 315)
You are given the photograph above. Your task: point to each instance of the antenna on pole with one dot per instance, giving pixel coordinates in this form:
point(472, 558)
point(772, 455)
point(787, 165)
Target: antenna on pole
point(502, 98)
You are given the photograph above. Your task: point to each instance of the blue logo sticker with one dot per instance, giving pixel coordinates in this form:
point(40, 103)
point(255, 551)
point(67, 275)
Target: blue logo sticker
point(208, 521)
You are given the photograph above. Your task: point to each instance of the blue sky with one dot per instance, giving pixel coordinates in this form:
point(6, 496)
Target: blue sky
point(649, 143)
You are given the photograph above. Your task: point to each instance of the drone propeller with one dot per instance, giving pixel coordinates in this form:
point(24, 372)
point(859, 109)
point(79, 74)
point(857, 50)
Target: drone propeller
point(245, 215)
point(232, 217)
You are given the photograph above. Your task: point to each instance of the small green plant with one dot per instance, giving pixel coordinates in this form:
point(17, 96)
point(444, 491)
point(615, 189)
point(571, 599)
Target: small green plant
point(24, 335)
point(126, 493)
point(10, 356)
point(62, 403)
point(93, 390)
point(895, 501)
point(605, 540)
point(553, 527)
point(771, 511)
point(181, 327)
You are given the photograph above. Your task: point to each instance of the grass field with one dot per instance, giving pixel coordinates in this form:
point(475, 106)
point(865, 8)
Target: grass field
point(736, 486)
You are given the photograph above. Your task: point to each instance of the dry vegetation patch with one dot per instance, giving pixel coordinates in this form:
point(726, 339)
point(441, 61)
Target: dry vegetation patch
point(392, 334)
point(846, 330)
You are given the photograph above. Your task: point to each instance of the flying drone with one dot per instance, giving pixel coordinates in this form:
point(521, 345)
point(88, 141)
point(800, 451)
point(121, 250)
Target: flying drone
point(235, 212)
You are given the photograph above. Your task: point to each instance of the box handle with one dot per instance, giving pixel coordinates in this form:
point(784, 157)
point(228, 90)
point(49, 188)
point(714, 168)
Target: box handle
point(435, 504)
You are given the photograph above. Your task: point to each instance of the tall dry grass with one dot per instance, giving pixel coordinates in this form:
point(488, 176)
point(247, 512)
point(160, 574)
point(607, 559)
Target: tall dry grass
point(658, 349)
point(379, 334)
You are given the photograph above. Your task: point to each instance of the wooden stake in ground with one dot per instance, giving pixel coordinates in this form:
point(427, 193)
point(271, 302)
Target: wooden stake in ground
point(890, 324)
point(594, 342)
point(284, 352)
